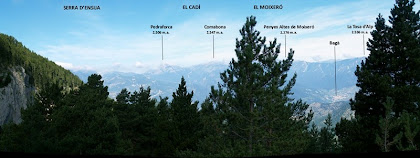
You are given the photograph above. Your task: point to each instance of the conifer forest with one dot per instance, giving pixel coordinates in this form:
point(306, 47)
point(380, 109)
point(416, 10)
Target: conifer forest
point(250, 112)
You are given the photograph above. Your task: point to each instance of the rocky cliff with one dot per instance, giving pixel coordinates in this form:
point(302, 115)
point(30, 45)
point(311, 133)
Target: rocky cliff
point(15, 95)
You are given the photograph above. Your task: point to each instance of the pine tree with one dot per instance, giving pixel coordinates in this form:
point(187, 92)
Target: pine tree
point(49, 98)
point(314, 146)
point(185, 118)
point(253, 99)
point(351, 135)
point(126, 115)
point(123, 96)
point(405, 56)
point(386, 124)
point(411, 126)
point(145, 118)
point(211, 142)
point(76, 122)
point(137, 116)
point(328, 143)
point(390, 70)
point(164, 127)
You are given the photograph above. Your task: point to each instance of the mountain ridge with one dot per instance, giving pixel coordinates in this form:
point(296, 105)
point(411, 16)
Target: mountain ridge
point(314, 83)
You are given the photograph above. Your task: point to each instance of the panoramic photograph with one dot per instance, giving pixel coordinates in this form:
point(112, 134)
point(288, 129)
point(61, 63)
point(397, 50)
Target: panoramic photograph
point(209, 78)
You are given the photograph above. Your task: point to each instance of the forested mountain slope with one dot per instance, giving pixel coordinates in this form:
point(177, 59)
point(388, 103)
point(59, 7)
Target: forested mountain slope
point(22, 74)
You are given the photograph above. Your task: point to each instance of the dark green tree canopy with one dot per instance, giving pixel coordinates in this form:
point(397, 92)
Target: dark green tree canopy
point(253, 99)
point(391, 70)
point(42, 71)
point(185, 118)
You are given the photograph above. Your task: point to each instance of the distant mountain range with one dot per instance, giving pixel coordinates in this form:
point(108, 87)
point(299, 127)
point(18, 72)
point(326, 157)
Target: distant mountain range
point(314, 84)
point(164, 81)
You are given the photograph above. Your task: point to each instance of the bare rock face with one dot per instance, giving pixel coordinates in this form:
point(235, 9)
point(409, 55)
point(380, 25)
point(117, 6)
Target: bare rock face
point(15, 96)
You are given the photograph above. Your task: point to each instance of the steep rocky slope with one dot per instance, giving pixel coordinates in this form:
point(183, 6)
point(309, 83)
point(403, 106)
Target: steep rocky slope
point(15, 95)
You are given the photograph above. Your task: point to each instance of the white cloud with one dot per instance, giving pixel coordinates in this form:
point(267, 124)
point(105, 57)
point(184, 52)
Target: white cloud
point(65, 65)
point(139, 64)
point(70, 66)
point(105, 49)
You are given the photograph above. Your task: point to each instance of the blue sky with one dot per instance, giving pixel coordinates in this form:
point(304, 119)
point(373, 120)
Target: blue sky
point(118, 36)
